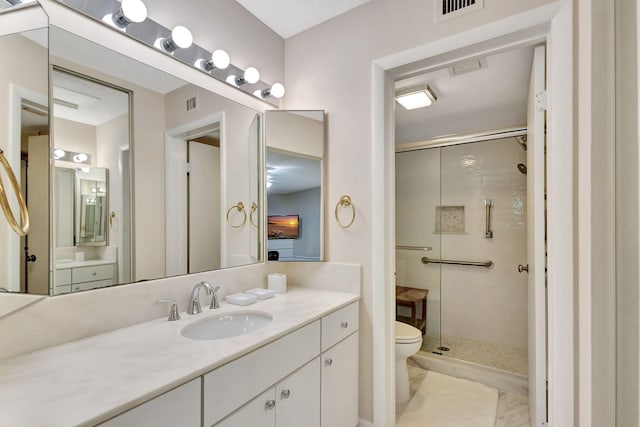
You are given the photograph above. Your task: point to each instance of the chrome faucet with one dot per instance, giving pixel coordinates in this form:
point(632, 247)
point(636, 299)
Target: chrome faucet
point(194, 301)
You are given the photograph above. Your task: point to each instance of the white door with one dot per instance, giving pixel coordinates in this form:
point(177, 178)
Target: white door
point(298, 397)
point(37, 242)
point(339, 384)
point(204, 207)
point(536, 258)
point(261, 412)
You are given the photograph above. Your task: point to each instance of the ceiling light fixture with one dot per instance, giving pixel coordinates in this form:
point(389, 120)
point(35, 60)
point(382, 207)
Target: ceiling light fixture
point(59, 153)
point(416, 98)
point(276, 90)
point(251, 75)
point(219, 59)
point(80, 158)
point(131, 11)
point(180, 37)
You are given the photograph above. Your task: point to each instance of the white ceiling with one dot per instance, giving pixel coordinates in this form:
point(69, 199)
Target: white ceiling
point(489, 98)
point(290, 17)
point(289, 174)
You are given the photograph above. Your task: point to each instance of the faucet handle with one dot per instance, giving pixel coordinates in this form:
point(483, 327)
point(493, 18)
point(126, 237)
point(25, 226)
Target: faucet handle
point(173, 311)
point(215, 302)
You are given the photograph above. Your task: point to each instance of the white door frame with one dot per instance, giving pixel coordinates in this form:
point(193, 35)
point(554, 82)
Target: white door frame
point(555, 20)
point(176, 184)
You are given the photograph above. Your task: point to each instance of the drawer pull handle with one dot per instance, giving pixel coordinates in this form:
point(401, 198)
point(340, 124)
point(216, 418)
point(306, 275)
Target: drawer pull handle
point(285, 394)
point(270, 404)
point(344, 325)
point(328, 362)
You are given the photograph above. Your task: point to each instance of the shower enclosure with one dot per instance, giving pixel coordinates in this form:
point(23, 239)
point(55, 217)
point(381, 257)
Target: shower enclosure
point(461, 235)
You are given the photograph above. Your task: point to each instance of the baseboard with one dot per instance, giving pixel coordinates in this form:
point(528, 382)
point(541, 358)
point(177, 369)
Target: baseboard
point(507, 382)
point(364, 423)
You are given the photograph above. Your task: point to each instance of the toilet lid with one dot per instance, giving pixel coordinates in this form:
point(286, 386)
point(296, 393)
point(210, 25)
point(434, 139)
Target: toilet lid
point(407, 333)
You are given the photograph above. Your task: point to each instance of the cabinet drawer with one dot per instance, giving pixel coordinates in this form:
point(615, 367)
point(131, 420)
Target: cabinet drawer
point(230, 386)
point(339, 325)
point(91, 285)
point(63, 277)
point(178, 407)
point(88, 274)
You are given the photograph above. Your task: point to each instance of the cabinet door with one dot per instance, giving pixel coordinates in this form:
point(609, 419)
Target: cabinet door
point(298, 397)
point(258, 412)
point(178, 407)
point(339, 384)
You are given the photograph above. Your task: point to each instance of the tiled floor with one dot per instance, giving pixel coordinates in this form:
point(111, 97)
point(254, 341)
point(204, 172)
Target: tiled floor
point(484, 353)
point(513, 411)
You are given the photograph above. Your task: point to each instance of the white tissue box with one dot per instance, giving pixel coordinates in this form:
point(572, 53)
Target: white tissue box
point(261, 293)
point(241, 299)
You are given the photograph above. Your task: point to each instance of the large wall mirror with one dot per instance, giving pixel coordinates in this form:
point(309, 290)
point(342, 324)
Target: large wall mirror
point(150, 176)
point(294, 182)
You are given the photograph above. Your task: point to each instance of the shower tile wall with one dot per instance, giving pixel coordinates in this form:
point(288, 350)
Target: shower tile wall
point(487, 305)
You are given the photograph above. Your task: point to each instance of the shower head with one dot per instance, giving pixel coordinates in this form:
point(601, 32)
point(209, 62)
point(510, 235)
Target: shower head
point(522, 140)
point(522, 168)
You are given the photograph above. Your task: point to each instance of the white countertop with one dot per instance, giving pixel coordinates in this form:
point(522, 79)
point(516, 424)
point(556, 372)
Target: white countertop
point(86, 263)
point(91, 380)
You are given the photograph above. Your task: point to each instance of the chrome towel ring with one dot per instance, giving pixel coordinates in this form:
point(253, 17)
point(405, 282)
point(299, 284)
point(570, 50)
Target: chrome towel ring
point(21, 230)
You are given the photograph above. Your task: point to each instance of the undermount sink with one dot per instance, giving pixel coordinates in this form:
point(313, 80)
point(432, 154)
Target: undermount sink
point(226, 325)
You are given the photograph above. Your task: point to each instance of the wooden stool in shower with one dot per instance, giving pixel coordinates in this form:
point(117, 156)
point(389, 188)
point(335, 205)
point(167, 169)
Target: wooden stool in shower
point(410, 297)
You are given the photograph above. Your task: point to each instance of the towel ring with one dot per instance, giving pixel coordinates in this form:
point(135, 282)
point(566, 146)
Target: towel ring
point(345, 202)
point(240, 208)
point(254, 208)
point(4, 202)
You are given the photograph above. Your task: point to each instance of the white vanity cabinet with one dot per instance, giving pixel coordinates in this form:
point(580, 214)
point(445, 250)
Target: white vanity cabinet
point(339, 376)
point(178, 407)
point(293, 402)
point(75, 279)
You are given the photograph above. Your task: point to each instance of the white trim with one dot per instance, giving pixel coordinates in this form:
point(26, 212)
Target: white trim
point(382, 224)
point(12, 154)
point(364, 423)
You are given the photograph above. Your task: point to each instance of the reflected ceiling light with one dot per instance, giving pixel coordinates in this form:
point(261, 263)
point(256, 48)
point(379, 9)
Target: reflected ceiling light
point(80, 157)
point(269, 184)
point(180, 37)
point(276, 90)
point(85, 170)
point(251, 75)
point(231, 79)
point(416, 98)
point(131, 11)
point(59, 153)
point(219, 59)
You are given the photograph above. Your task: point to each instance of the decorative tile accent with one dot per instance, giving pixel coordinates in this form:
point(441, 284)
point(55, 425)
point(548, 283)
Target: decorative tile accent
point(450, 219)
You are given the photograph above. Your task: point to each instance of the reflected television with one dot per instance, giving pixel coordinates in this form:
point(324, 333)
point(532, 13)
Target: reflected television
point(283, 226)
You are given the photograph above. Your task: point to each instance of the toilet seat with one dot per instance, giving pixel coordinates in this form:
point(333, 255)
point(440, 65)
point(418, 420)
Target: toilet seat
point(407, 334)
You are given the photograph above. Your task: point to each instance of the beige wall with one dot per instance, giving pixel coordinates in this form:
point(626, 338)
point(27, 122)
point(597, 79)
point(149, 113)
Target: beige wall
point(75, 136)
point(329, 67)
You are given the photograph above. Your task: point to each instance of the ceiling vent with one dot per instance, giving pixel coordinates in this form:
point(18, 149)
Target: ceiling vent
point(448, 9)
point(467, 66)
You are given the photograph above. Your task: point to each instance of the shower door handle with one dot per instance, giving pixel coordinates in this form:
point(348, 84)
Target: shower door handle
point(523, 268)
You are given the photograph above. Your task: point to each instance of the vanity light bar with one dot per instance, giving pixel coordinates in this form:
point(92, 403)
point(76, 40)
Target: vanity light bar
point(178, 43)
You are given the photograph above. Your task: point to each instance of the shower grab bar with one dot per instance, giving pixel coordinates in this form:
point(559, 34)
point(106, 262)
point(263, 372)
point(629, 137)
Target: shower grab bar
point(485, 264)
point(415, 248)
point(488, 232)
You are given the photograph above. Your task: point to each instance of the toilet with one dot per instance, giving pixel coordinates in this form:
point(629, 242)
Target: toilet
point(408, 342)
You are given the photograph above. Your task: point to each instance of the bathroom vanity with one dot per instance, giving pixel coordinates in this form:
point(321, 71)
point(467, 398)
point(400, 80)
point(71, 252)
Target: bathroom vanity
point(299, 369)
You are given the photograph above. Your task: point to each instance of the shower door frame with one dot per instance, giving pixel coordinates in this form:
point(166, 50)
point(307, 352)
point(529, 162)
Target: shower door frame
point(551, 24)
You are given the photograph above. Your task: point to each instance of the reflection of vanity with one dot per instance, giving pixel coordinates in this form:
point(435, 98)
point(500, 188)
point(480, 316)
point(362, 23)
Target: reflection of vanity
point(84, 275)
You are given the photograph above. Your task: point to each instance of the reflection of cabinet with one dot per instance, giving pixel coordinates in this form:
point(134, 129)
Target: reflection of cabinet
point(84, 278)
point(293, 402)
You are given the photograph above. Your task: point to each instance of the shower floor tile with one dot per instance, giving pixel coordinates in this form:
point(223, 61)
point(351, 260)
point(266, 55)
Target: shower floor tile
point(483, 353)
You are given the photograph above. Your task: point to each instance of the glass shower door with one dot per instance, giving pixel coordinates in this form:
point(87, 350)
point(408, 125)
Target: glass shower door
point(418, 284)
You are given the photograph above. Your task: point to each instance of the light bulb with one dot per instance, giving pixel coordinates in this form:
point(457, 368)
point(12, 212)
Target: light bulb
point(220, 59)
point(59, 153)
point(180, 38)
point(277, 90)
point(251, 75)
point(231, 79)
point(130, 11)
point(80, 157)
